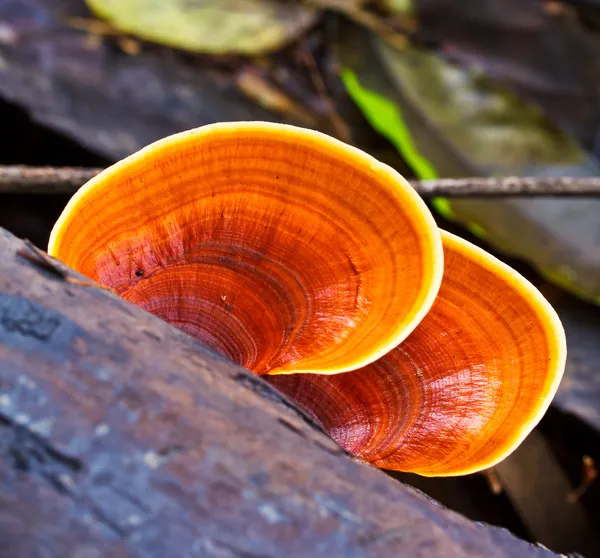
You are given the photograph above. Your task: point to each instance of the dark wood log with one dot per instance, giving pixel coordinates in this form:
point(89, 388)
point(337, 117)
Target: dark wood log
point(121, 436)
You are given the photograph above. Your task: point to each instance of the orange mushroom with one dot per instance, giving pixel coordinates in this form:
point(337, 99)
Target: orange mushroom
point(303, 258)
point(279, 247)
point(463, 391)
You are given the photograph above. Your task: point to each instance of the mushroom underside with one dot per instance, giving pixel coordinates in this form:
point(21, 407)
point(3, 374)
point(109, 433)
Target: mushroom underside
point(305, 259)
point(298, 246)
point(462, 391)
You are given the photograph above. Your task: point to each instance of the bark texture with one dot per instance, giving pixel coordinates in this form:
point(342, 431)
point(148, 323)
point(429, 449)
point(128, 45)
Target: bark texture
point(121, 436)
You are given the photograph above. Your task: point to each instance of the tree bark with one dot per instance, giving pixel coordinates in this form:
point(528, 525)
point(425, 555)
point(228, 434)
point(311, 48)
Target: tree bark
point(121, 436)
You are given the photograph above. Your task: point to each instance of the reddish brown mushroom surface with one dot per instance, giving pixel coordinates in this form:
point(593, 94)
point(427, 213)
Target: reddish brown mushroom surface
point(303, 258)
point(276, 246)
point(463, 390)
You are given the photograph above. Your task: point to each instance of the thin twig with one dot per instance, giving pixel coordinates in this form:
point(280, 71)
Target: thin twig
point(53, 180)
point(509, 186)
point(396, 37)
point(43, 180)
point(493, 481)
point(588, 476)
point(257, 88)
point(341, 128)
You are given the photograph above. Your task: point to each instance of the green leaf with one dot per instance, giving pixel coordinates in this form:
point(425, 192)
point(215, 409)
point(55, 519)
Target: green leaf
point(494, 129)
point(403, 7)
point(211, 26)
point(386, 118)
point(462, 124)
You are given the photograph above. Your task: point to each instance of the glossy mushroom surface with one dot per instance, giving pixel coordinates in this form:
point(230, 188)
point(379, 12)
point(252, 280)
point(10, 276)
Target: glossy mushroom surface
point(463, 390)
point(279, 247)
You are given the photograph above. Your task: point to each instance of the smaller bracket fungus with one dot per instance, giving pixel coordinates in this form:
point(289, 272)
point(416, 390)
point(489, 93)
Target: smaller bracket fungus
point(303, 258)
point(463, 391)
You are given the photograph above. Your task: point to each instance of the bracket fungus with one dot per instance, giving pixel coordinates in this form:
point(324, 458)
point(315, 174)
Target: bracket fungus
point(308, 261)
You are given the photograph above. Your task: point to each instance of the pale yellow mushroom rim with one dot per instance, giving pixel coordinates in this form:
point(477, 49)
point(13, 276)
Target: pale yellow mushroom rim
point(398, 186)
point(556, 341)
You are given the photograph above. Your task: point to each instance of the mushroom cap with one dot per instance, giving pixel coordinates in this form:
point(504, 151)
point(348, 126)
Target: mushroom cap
point(280, 247)
point(466, 387)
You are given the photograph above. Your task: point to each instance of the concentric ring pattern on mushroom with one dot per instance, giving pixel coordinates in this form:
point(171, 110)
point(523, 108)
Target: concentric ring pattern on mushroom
point(313, 264)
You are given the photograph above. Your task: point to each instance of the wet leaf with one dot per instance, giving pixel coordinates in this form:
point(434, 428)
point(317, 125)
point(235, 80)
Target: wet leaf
point(465, 125)
point(210, 26)
point(549, 57)
point(494, 128)
point(386, 118)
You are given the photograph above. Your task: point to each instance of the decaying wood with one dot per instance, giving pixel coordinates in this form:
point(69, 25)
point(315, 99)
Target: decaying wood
point(121, 436)
point(53, 180)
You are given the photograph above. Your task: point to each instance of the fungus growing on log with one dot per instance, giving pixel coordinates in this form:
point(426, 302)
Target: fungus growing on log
point(303, 258)
point(463, 390)
point(276, 246)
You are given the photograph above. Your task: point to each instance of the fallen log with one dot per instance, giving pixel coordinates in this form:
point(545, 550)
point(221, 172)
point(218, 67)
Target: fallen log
point(121, 436)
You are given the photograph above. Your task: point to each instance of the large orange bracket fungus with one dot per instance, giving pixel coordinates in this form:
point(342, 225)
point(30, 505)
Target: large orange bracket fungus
point(303, 258)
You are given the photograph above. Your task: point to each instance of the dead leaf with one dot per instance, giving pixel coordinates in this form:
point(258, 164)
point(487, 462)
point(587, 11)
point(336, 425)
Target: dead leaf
point(579, 392)
point(210, 26)
point(549, 60)
point(493, 127)
point(115, 104)
point(268, 96)
point(466, 126)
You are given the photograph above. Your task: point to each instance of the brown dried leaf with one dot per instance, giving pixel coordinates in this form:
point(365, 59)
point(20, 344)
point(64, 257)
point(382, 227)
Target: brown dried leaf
point(211, 26)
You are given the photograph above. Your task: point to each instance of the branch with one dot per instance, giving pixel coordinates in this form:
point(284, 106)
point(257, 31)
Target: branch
point(508, 186)
point(55, 180)
point(43, 180)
